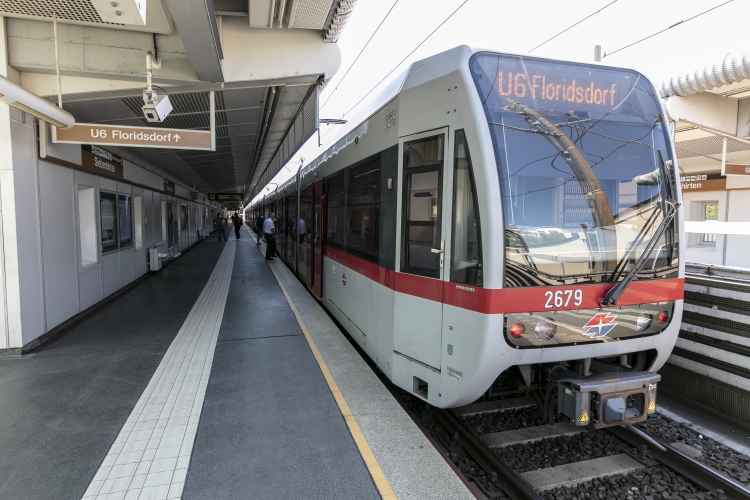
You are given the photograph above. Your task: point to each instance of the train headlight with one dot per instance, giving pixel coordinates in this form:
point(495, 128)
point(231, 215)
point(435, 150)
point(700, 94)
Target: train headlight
point(545, 330)
point(644, 321)
point(517, 330)
point(663, 317)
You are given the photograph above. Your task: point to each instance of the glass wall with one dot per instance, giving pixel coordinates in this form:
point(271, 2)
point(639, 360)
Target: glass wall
point(125, 212)
point(108, 220)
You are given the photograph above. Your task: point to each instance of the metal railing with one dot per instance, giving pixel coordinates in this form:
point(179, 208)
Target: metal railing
point(711, 360)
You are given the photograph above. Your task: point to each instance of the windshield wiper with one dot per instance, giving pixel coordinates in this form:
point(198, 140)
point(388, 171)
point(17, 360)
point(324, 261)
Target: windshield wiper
point(650, 179)
point(614, 294)
point(637, 241)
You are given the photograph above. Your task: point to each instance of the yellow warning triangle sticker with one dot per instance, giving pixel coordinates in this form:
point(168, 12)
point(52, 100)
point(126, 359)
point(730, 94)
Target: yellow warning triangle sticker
point(584, 417)
point(652, 405)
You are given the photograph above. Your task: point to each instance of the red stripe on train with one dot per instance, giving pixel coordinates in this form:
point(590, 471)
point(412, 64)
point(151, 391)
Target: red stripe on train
point(508, 300)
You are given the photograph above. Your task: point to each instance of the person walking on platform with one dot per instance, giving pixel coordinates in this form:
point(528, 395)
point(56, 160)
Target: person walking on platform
point(220, 223)
point(269, 232)
point(259, 226)
point(237, 220)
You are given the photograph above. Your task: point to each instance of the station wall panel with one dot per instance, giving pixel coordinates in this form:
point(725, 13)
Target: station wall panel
point(127, 265)
point(90, 286)
point(59, 244)
point(25, 179)
point(54, 285)
point(111, 276)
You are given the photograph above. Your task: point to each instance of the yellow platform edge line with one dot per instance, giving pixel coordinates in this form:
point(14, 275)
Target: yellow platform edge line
point(368, 457)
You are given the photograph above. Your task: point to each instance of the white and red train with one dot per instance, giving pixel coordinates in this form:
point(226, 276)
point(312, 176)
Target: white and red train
point(496, 214)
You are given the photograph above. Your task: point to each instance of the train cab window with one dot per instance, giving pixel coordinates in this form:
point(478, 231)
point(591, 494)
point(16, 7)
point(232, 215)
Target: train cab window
point(423, 183)
point(466, 254)
point(336, 211)
point(364, 210)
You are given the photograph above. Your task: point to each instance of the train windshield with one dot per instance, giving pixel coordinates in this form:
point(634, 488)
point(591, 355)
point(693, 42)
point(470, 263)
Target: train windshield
point(585, 170)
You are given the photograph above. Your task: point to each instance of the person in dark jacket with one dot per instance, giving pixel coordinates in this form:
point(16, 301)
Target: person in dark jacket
point(259, 226)
point(237, 221)
point(220, 223)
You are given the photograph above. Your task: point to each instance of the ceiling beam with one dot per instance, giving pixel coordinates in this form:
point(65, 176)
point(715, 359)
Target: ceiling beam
point(195, 22)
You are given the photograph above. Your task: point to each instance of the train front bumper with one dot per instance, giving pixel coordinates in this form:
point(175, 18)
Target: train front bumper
point(608, 398)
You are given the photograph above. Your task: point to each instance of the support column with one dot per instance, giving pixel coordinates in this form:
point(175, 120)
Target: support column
point(11, 337)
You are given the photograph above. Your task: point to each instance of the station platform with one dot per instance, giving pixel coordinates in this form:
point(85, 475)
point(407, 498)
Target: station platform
point(218, 377)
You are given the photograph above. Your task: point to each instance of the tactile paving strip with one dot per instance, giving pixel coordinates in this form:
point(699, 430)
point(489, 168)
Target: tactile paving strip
point(150, 457)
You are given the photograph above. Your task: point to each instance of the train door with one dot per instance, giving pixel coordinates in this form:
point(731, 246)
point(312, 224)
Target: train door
point(317, 235)
point(419, 284)
point(304, 258)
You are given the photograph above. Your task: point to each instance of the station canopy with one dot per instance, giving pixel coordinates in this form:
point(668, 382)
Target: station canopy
point(265, 60)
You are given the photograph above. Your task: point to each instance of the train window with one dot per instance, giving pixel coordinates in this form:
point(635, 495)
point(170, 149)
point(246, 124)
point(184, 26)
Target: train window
point(364, 210)
point(423, 183)
point(466, 254)
point(582, 155)
point(336, 208)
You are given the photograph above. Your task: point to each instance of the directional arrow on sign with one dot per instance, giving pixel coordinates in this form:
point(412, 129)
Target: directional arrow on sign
point(177, 138)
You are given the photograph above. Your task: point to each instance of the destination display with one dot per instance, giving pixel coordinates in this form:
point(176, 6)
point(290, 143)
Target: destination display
point(555, 88)
point(144, 137)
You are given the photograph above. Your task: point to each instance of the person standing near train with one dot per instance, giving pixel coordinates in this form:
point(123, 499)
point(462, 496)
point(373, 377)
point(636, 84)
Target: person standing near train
point(237, 221)
point(269, 232)
point(259, 226)
point(220, 223)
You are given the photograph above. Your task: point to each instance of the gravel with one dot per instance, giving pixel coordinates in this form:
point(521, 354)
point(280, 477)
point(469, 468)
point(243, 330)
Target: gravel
point(552, 452)
point(715, 454)
point(508, 420)
point(651, 483)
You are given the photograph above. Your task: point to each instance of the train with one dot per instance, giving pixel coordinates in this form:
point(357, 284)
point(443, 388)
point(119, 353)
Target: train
point(497, 220)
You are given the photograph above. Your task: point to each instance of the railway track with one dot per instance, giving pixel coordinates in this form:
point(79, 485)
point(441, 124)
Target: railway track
point(530, 460)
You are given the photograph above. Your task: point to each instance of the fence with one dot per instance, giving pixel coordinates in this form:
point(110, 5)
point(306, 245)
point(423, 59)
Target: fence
point(711, 360)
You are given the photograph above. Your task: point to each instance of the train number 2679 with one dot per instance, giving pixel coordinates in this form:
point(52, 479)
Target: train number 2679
point(562, 298)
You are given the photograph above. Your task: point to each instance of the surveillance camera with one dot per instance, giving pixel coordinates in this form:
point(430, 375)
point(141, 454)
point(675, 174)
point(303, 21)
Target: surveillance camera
point(156, 109)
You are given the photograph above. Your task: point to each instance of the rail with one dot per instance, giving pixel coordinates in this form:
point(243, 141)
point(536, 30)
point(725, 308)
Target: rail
point(510, 481)
point(684, 464)
point(652, 451)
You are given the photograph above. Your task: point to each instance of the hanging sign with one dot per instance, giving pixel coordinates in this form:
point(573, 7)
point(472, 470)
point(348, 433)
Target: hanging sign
point(734, 169)
point(142, 137)
point(225, 196)
point(100, 161)
point(703, 182)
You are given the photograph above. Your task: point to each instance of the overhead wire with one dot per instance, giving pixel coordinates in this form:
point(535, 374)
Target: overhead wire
point(572, 26)
point(669, 28)
point(407, 56)
point(360, 53)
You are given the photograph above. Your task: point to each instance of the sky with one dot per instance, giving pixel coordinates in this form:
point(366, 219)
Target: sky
point(518, 27)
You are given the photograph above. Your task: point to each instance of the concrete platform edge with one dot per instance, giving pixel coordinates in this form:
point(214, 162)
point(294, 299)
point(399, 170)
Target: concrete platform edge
point(411, 465)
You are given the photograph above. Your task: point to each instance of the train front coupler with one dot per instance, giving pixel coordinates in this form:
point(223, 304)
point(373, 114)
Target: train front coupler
point(606, 399)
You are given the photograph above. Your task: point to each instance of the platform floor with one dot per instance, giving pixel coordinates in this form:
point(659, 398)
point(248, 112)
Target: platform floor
point(202, 383)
